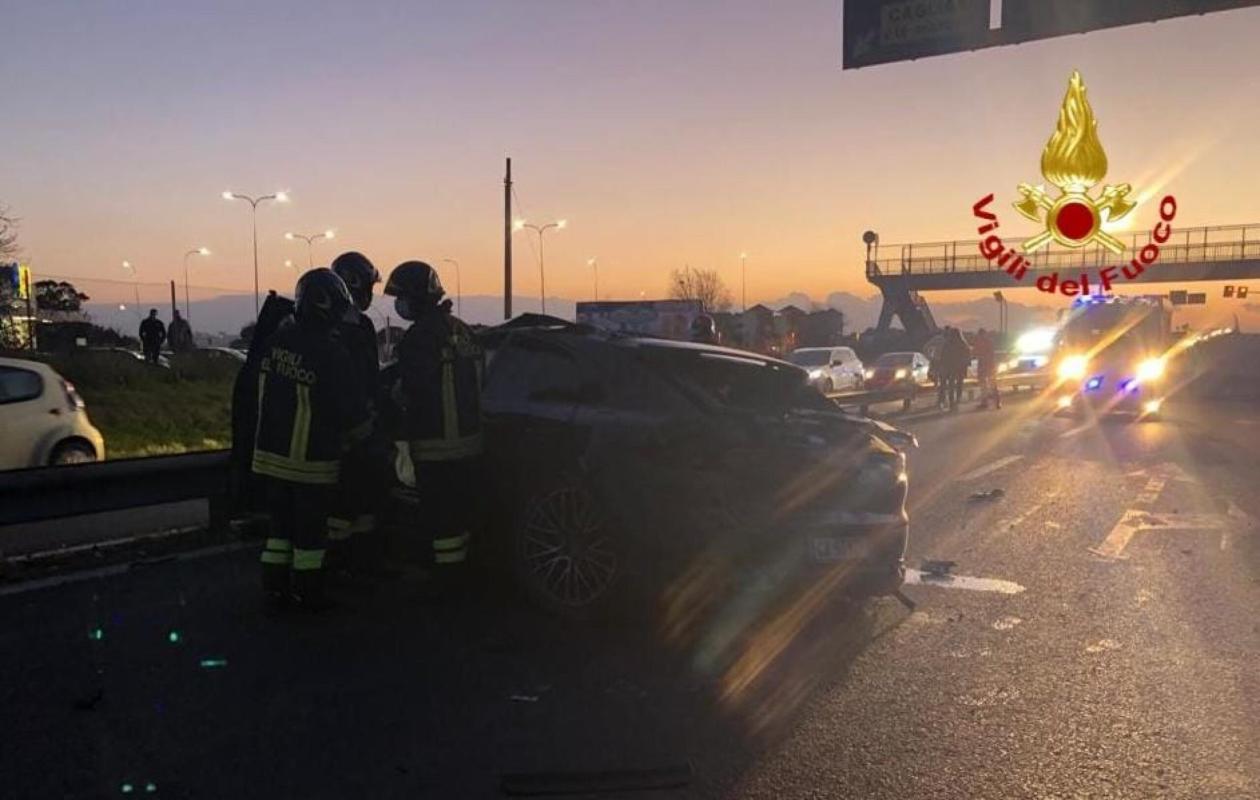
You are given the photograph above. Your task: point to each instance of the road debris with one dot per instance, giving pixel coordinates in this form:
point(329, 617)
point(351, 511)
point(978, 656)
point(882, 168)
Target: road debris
point(992, 494)
point(937, 568)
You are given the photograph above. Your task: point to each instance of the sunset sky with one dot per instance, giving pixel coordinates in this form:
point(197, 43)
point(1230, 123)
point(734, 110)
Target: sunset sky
point(666, 132)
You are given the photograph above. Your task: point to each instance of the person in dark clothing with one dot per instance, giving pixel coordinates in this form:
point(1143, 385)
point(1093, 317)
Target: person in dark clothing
point(438, 393)
point(247, 495)
point(310, 412)
point(179, 334)
point(152, 335)
point(986, 369)
point(956, 357)
point(365, 476)
point(937, 371)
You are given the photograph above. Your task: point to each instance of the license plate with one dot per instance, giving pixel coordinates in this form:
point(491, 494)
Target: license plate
point(830, 548)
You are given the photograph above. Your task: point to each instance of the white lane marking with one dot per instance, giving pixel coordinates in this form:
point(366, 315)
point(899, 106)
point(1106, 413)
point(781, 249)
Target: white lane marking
point(1136, 520)
point(1006, 623)
point(917, 578)
point(1014, 521)
point(1072, 432)
point(118, 569)
point(987, 468)
point(1101, 645)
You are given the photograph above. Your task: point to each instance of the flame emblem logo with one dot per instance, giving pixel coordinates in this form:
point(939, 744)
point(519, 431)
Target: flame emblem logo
point(1074, 161)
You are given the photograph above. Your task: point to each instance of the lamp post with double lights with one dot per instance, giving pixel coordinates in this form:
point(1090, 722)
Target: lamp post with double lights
point(310, 240)
point(559, 224)
point(197, 251)
point(459, 294)
point(254, 202)
point(135, 287)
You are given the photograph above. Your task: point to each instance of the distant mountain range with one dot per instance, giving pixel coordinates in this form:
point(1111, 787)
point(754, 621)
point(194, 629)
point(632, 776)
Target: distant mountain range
point(228, 313)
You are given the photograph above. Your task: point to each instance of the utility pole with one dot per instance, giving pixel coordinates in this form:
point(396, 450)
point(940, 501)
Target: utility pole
point(173, 306)
point(507, 241)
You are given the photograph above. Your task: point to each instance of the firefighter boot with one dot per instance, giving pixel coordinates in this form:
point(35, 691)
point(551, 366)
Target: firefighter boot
point(310, 591)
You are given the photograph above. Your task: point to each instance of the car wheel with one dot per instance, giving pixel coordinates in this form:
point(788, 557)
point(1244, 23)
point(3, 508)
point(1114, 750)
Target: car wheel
point(828, 386)
point(72, 453)
point(567, 557)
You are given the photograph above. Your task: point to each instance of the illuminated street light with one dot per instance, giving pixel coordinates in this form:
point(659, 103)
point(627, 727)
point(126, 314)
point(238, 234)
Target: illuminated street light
point(279, 197)
point(196, 251)
point(559, 224)
point(310, 240)
point(135, 287)
point(458, 292)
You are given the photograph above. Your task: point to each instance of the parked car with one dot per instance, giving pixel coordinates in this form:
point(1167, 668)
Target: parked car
point(894, 370)
point(620, 464)
point(42, 418)
point(129, 355)
point(829, 368)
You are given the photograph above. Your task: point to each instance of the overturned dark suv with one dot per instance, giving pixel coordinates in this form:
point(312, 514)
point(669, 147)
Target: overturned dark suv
point(626, 467)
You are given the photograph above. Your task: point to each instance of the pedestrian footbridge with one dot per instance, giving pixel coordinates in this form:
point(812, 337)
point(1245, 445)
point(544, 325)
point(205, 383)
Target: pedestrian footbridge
point(901, 271)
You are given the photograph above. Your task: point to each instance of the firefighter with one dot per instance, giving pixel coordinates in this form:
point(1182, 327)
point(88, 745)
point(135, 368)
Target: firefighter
point(247, 495)
point(359, 492)
point(310, 411)
point(438, 392)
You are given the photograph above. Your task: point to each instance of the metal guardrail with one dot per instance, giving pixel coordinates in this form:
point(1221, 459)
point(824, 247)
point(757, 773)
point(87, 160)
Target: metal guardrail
point(906, 395)
point(1187, 246)
point(44, 493)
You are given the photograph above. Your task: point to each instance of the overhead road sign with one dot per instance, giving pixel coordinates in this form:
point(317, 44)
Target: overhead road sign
point(884, 31)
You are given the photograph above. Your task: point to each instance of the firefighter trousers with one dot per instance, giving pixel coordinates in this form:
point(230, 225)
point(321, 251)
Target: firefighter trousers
point(295, 549)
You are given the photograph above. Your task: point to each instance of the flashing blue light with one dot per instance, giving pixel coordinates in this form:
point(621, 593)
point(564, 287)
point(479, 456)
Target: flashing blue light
point(1127, 385)
point(1093, 383)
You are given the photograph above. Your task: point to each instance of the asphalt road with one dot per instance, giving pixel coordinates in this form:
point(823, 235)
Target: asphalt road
point(1106, 648)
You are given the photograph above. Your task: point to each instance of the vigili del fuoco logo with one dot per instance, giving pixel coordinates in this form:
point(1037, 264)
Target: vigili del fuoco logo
point(1074, 162)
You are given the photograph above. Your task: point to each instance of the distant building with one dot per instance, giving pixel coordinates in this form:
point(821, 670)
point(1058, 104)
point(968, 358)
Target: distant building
point(821, 328)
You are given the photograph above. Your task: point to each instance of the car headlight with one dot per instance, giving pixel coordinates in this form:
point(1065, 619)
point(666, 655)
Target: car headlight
point(815, 373)
point(870, 373)
point(1073, 367)
point(899, 374)
point(1150, 369)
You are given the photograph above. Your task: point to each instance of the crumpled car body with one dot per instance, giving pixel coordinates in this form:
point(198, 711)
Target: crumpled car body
point(624, 464)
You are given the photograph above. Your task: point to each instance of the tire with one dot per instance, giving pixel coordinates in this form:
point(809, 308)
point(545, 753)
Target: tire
point(72, 453)
point(828, 387)
point(566, 555)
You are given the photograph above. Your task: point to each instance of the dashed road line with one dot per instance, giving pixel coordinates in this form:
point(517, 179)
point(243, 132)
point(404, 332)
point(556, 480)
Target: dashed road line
point(980, 472)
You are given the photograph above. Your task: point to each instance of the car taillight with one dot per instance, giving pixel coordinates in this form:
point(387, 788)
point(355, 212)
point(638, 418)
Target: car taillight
point(72, 397)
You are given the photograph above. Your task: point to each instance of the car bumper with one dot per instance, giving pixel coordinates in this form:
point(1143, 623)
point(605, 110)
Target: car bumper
point(1137, 401)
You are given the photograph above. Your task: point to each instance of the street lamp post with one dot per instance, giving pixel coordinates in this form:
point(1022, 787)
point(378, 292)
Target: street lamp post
point(743, 280)
point(459, 294)
point(559, 224)
point(310, 240)
point(135, 287)
point(593, 263)
point(199, 251)
point(279, 197)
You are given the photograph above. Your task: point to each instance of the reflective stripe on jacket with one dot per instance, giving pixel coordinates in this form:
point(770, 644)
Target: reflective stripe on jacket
point(310, 407)
point(439, 367)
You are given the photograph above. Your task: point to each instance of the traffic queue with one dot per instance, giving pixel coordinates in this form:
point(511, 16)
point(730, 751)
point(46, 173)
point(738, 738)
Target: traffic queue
point(321, 445)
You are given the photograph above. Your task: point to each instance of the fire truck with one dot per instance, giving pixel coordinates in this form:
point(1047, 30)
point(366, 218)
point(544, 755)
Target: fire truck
point(1111, 354)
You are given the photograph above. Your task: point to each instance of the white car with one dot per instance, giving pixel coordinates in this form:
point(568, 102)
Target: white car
point(42, 418)
point(830, 368)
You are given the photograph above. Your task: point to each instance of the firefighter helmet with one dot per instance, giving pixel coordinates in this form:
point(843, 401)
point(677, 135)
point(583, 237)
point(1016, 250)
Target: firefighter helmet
point(416, 281)
point(321, 297)
point(359, 274)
